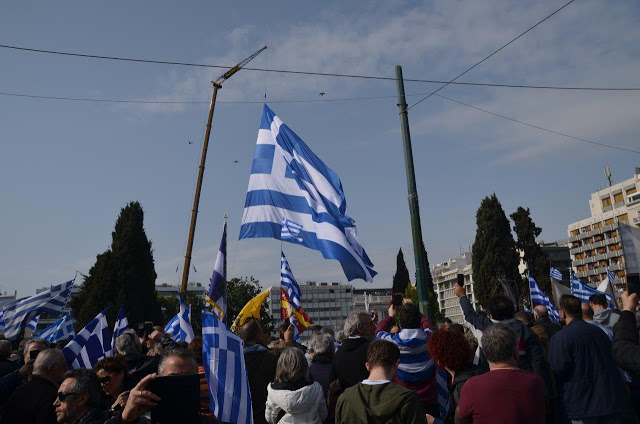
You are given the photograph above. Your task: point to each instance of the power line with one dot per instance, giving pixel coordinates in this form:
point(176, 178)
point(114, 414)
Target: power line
point(538, 127)
point(325, 74)
point(496, 51)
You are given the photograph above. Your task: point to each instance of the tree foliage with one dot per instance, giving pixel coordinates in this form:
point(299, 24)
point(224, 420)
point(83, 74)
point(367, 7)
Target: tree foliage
point(526, 232)
point(123, 274)
point(239, 292)
point(401, 277)
point(494, 251)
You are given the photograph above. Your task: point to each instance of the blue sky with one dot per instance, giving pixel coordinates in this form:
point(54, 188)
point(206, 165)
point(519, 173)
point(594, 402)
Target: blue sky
point(67, 168)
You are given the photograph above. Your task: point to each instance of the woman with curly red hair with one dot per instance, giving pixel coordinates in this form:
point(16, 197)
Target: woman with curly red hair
point(451, 351)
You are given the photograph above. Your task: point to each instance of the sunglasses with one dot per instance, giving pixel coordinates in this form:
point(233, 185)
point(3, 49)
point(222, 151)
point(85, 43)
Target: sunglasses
point(63, 396)
point(106, 378)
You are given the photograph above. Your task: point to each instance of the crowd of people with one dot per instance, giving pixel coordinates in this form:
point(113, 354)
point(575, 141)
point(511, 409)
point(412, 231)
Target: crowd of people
point(501, 366)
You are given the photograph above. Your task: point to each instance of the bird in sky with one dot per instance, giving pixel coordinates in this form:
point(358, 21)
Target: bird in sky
point(321, 93)
point(235, 161)
point(190, 142)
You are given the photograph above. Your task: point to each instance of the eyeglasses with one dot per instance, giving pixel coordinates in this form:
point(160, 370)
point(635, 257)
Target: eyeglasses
point(106, 378)
point(63, 396)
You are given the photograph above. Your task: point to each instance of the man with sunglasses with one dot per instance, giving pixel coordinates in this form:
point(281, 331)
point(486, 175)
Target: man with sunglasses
point(78, 398)
point(32, 402)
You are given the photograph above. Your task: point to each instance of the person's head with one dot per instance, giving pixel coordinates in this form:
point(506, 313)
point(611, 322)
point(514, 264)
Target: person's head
point(78, 393)
point(540, 311)
point(570, 308)
point(50, 364)
point(359, 324)
point(33, 344)
point(251, 333)
point(500, 308)
point(457, 328)
point(5, 349)
point(316, 329)
point(449, 349)
point(524, 318)
point(321, 344)
point(128, 343)
point(196, 347)
point(329, 331)
point(598, 301)
point(383, 355)
point(340, 337)
point(177, 362)
point(111, 372)
point(500, 345)
point(292, 366)
point(587, 311)
point(444, 323)
point(409, 316)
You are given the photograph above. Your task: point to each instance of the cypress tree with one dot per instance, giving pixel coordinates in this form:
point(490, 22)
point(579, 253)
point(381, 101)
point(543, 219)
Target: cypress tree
point(494, 252)
point(526, 232)
point(401, 277)
point(125, 273)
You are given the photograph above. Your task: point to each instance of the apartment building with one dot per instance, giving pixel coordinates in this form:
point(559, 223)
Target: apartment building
point(595, 242)
point(445, 276)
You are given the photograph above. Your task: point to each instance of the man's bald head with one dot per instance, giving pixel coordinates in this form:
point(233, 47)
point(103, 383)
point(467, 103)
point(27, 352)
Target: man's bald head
point(251, 333)
point(50, 364)
point(540, 312)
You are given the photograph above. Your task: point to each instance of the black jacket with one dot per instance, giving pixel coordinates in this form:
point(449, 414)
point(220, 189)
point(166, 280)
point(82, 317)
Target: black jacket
point(261, 369)
point(455, 388)
point(320, 370)
point(550, 328)
point(7, 366)
point(32, 402)
point(348, 362)
point(589, 384)
point(626, 350)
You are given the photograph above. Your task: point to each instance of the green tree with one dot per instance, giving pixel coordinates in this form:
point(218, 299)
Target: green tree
point(169, 305)
point(239, 292)
point(526, 232)
point(124, 274)
point(432, 298)
point(401, 277)
point(494, 252)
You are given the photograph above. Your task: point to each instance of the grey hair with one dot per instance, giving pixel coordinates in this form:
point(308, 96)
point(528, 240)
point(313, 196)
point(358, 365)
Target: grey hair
point(541, 311)
point(46, 359)
point(33, 341)
point(352, 321)
point(86, 381)
point(128, 343)
point(321, 343)
point(292, 366)
point(184, 354)
point(5, 349)
point(499, 343)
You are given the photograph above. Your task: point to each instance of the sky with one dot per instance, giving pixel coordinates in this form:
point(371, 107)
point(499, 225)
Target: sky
point(68, 167)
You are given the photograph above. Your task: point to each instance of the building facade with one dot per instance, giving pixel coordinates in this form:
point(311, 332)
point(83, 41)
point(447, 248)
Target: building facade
point(595, 242)
point(445, 276)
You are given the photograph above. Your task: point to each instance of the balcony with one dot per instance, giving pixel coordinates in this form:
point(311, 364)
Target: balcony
point(597, 244)
point(618, 205)
point(574, 238)
point(612, 240)
point(574, 250)
point(600, 257)
point(581, 274)
point(614, 254)
point(616, 267)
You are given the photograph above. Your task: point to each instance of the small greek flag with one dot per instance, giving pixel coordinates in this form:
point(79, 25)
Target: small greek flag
point(583, 291)
point(18, 313)
point(223, 360)
point(611, 275)
point(555, 274)
point(289, 283)
point(217, 295)
point(33, 323)
point(290, 230)
point(91, 344)
point(62, 329)
point(538, 296)
point(179, 328)
point(122, 324)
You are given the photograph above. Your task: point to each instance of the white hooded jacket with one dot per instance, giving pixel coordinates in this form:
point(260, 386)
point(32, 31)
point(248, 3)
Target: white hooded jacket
point(305, 405)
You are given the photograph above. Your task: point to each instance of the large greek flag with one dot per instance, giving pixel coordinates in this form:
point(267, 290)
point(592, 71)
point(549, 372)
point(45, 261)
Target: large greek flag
point(538, 296)
point(289, 181)
point(121, 325)
point(223, 361)
point(583, 291)
point(217, 295)
point(179, 328)
point(62, 329)
point(17, 314)
point(91, 344)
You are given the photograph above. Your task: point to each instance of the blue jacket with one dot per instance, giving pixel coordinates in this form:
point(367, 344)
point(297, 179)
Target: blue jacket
point(589, 383)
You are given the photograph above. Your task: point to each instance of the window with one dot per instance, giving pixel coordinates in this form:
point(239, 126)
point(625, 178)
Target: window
point(608, 221)
point(597, 225)
point(575, 232)
point(623, 218)
point(618, 197)
point(606, 202)
point(586, 229)
point(632, 190)
point(602, 250)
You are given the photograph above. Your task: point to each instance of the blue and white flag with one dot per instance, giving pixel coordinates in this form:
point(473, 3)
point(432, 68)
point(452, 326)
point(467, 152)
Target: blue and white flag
point(223, 360)
point(538, 296)
point(91, 344)
point(290, 230)
point(179, 328)
point(583, 291)
point(289, 283)
point(33, 324)
point(555, 274)
point(289, 181)
point(62, 329)
point(610, 275)
point(121, 325)
point(442, 381)
point(18, 313)
point(217, 295)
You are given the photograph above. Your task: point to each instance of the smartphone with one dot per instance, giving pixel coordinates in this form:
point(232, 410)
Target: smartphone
point(148, 327)
point(633, 284)
point(397, 300)
point(141, 329)
point(33, 354)
point(179, 399)
point(460, 280)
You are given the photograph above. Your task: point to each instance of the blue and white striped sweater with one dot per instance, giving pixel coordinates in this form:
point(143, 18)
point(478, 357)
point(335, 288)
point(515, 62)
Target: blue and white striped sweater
point(415, 363)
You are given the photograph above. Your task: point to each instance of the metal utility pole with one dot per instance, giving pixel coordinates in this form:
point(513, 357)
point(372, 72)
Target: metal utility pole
point(217, 84)
point(414, 209)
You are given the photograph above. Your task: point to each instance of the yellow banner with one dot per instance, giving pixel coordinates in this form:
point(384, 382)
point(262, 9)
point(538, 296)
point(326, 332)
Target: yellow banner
point(251, 309)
